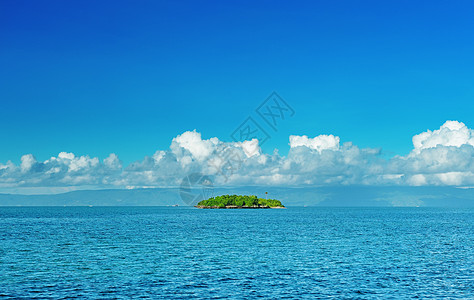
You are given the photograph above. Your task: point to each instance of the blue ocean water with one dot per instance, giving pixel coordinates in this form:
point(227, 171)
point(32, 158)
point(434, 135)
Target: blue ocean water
point(168, 252)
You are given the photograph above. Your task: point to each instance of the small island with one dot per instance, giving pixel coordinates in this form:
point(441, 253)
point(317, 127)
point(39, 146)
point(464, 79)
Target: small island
point(237, 201)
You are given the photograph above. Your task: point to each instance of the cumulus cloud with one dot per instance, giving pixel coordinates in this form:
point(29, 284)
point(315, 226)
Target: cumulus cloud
point(191, 141)
point(27, 162)
point(318, 143)
point(66, 169)
point(451, 133)
point(440, 157)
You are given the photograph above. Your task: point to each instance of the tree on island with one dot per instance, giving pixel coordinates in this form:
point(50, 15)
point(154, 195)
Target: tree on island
point(238, 201)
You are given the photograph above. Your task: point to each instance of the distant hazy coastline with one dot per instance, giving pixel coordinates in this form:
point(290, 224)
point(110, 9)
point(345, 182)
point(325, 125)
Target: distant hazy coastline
point(309, 196)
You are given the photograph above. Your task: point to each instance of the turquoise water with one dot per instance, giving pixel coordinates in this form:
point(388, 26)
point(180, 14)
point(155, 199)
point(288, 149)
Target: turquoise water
point(165, 252)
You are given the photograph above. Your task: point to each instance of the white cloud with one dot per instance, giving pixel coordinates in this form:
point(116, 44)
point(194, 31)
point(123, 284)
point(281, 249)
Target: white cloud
point(319, 143)
point(113, 162)
point(65, 155)
point(251, 148)
point(451, 133)
point(417, 179)
point(191, 141)
point(27, 162)
point(439, 157)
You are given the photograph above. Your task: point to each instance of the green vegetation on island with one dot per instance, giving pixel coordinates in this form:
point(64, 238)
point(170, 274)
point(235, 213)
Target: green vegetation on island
point(237, 201)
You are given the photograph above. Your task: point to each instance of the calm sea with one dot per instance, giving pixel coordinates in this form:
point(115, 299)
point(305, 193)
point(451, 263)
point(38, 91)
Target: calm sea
point(169, 252)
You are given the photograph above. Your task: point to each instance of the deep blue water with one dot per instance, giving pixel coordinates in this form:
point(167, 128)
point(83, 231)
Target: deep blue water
point(164, 252)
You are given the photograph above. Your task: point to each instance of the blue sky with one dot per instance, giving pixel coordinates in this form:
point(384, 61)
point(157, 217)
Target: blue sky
point(124, 77)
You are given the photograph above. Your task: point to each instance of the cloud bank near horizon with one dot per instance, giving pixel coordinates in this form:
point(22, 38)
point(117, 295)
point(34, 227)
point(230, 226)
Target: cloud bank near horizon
point(439, 157)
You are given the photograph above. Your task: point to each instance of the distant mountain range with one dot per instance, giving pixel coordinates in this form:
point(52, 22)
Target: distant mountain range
point(310, 196)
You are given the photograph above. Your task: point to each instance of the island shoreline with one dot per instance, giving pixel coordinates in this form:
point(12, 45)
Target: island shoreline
point(237, 207)
point(238, 202)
